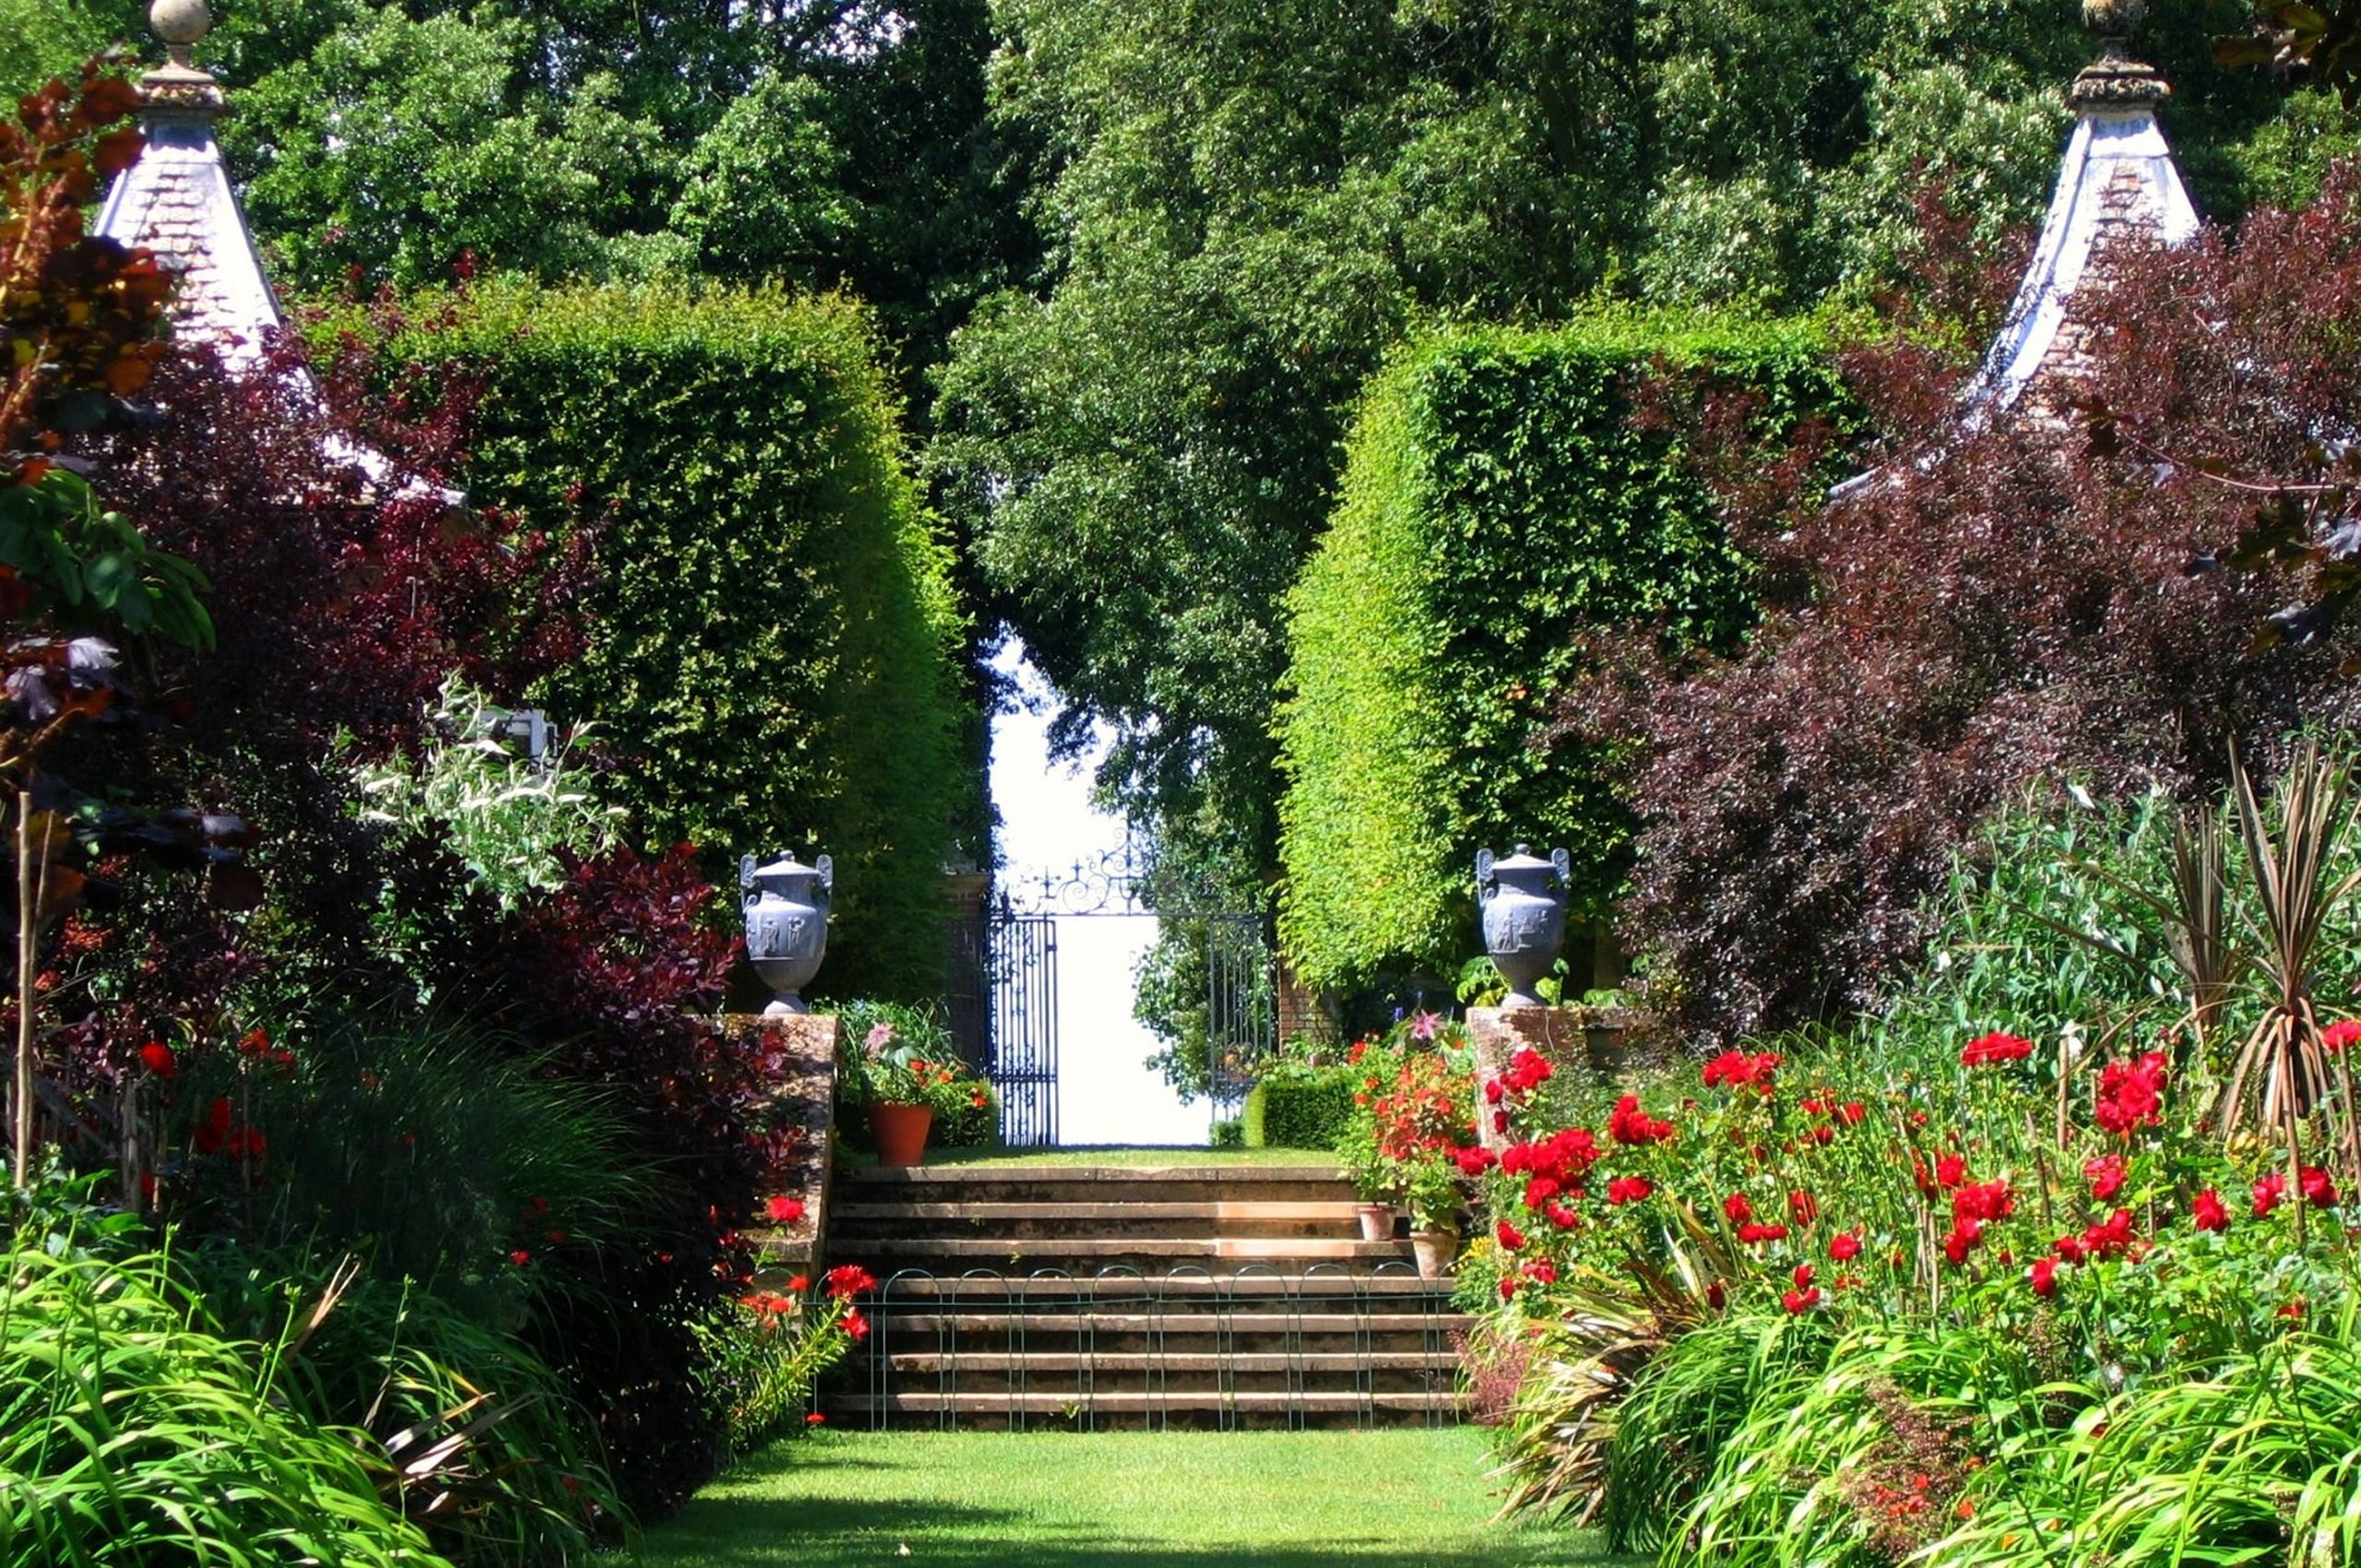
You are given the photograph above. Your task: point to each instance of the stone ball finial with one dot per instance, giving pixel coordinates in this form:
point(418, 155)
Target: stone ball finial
point(2108, 18)
point(180, 23)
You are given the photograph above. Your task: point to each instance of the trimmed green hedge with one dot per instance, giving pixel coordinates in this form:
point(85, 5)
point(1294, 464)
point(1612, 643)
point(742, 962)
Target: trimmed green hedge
point(1497, 497)
point(772, 636)
point(1306, 1112)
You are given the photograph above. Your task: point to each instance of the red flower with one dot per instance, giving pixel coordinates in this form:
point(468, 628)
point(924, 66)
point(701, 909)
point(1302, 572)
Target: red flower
point(800, 1284)
point(1540, 1191)
point(2071, 1250)
point(1736, 1209)
point(1541, 1271)
point(2105, 1175)
point(1983, 1200)
point(1750, 1234)
point(1802, 1207)
point(1509, 1238)
point(785, 1210)
point(2114, 1238)
point(1627, 1123)
point(2342, 1033)
point(2210, 1215)
point(2268, 1191)
point(1800, 1301)
point(1561, 1216)
point(2132, 1094)
point(520, 1257)
point(254, 1043)
point(849, 1279)
point(856, 1325)
point(1996, 1047)
point(1509, 1282)
point(1473, 1160)
point(1738, 1070)
point(1844, 1246)
point(1716, 1297)
point(157, 1057)
point(214, 1130)
point(2320, 1190)
point(1965, 1234)
point(2043, 1276)
point(1851, 1112)
point(1628, 1189)
point(1950, 1172)
point(2293, 1312)
point(813, 1418)
point(1803, 1277)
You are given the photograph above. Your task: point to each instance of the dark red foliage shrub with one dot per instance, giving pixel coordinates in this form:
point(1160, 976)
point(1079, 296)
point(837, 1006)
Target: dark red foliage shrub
point(2042, 596)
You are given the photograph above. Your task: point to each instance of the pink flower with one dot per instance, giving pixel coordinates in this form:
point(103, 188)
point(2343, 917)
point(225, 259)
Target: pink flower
point(1422, 1025)
point(879, 1036)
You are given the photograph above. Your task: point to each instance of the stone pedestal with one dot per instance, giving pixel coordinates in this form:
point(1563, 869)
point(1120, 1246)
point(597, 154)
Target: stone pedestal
point(1585, 1040)
point(799, 1052)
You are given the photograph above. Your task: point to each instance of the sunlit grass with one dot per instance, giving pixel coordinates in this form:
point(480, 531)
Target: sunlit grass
point(1395, 1499)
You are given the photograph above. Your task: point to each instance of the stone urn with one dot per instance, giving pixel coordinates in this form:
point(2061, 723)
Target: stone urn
point(1524, 904)
point(787, 924)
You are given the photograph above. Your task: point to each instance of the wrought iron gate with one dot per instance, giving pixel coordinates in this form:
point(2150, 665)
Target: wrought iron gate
point(1021, 971)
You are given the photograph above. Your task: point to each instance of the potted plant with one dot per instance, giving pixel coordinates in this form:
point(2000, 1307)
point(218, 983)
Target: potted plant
point(1375, 1178)
point(1437, 1202)
point(1413, 1110)
point(901, 1068)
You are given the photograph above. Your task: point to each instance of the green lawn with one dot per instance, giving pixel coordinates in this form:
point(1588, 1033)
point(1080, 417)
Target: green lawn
point(1089, 1154)
point(1400, 1499)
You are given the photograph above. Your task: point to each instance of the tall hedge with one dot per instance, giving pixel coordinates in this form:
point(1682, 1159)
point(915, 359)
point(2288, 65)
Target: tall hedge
point(771, 631)
point(1503, 491)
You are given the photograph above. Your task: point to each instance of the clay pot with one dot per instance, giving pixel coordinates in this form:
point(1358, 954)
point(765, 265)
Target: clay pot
point(1435, 1251)
point(1377, 1221)
point(900, 1131)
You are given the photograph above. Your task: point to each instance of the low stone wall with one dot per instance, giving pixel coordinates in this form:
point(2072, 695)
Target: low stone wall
point(802, 1109)
point(1591, 1039)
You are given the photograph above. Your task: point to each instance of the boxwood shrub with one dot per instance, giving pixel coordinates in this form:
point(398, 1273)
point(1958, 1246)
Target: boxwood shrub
point(769, 643)
point(1501, 494)
point(1301, 1111)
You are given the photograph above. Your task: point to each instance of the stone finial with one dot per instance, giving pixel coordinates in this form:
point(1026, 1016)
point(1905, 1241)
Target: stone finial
point(2113, 81)
point(181, 86)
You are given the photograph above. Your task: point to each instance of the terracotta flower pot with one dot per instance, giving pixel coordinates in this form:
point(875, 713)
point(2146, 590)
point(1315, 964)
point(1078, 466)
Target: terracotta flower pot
point(1377, 1221)
point(1435, 1251)
point(901, 1132)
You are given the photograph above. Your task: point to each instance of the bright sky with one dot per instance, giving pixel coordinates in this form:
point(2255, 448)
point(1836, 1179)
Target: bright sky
point(1107, 1093)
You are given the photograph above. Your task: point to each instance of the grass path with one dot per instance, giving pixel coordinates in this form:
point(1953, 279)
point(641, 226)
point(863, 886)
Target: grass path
point(1398, 1499)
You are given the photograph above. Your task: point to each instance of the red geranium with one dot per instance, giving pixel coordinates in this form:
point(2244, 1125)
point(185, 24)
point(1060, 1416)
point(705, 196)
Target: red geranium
point(1986, 1049)
point(1802, 1207)
point(2132, 1094)
point(1800, 1301)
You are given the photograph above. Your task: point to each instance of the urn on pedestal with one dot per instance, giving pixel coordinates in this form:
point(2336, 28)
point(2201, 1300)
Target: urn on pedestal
point(787, 924)
point(1523, 903)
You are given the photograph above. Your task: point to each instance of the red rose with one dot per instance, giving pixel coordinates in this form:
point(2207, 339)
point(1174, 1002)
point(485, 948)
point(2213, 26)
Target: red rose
point(157, 1057)
point(2105, 1176)
point(2043, 1276)
point(1844, 1246)
point(1628, 1189)
point(1802, 1207)
point(2210, 1215)
point(1996, 1047)
point(2320, 1190)
point(1509, 1238)
point(1736, 1209)
point(1800, 1301)
point(2268, 1191)
point(785, 1210)
point(2342, 1033)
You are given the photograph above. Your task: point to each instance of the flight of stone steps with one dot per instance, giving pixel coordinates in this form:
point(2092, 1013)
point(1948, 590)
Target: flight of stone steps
point(1099, 1297)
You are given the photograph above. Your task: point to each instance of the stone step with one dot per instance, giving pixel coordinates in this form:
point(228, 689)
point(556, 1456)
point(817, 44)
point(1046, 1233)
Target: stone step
point(1185, 1325)
point(1249, 1211)
point(875, 1222)
point(1326, 1366)
point(1075, 1185)
point(1146, 1253)
point(1263, 1287)
point(1442, 1403)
